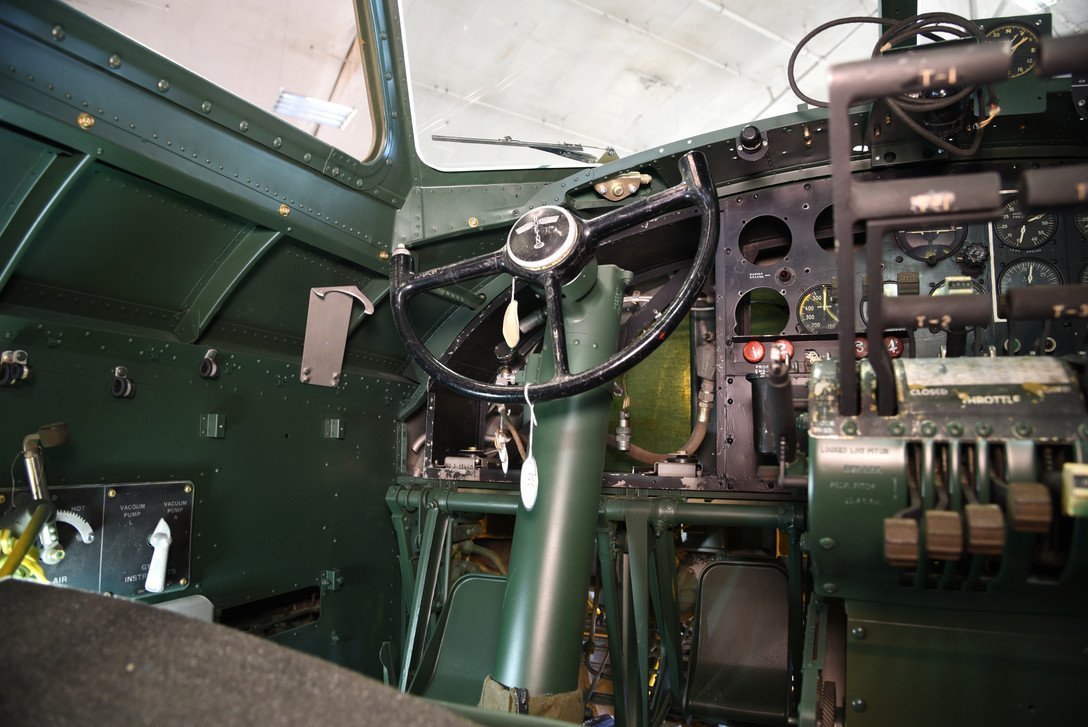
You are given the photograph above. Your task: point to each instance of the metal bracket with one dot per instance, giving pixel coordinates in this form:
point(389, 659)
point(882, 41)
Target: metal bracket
point(327, 333)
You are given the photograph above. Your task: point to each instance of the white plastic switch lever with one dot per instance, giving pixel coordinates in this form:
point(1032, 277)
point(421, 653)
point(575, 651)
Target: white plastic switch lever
point(156, 572)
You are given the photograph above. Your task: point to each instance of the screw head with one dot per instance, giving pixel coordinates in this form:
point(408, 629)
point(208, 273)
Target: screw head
point(188, 489)
point(183, 581)
point(830, 588)
point(383, 255)
point(114, 61)
point(954, 429)
point(307, 157)
point(858, 704)
point(85, 120)
point(163, 85)
point(858, 632)
point(929, 429)
point(284, 210)
point(896, 429)
point(1022, 429)
point(243, 126)
point(473, 222)
point(58, 32)
point(827, 543)
point(277, 142)
point(850, 428)
point(206, 107)
point(111, 492)
point(984, 429)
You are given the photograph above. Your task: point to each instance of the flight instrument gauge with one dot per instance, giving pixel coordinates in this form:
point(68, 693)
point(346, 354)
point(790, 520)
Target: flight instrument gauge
point(1084, 275)
point(1026, 273)
point(818, 311)
point(932, 245)
point(1081, 218)
point(1024, 42)
point(1022, 231)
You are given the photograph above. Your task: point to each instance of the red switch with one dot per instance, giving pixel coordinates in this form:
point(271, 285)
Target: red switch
point(786, 347)
point(861, 348)
point(754, 352)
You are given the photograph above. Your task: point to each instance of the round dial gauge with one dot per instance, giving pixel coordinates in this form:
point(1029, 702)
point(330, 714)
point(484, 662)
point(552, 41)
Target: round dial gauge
point(1084, 275)
point(1028, 272)
point(1081, 219)
point(818, 311)
point(1025, 46)
point(1021, 231)
point(933, 244)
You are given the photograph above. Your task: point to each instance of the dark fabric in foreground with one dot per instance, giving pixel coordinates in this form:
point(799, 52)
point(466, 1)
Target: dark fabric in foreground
point(70, 657)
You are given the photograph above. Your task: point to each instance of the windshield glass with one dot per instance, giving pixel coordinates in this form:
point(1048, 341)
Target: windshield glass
point(297, 59)
point(628, 74)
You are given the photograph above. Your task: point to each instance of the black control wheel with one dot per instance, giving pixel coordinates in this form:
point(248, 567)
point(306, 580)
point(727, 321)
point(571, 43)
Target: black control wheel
point(549, 246)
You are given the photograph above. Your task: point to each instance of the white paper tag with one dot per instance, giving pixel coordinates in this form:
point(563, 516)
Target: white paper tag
point(530, 484)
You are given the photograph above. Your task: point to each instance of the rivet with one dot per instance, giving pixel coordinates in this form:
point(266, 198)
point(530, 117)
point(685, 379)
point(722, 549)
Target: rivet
point(277, 142)
point(111, 492)
point(383, 255)
point(206, 107)
point(473, 222)
point(243, 126)
point(284, 210)
point(859, 632)
point(857, 704)
point(85, 120)
point(163, 85)
point(827, 543)
point(58, 32)
point(114, 61)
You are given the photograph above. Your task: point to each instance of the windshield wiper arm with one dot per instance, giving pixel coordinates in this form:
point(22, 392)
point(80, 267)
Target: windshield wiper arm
point(577, 152)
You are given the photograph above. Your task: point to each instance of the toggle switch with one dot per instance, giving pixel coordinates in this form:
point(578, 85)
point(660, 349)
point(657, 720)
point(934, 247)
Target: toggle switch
point(156, 572)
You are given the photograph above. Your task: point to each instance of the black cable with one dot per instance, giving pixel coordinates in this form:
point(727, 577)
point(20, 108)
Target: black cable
point(934, 26)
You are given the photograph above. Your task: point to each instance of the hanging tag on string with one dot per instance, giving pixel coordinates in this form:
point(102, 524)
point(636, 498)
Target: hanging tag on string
point(511, 324)
point(500, 444)
point(530, 478)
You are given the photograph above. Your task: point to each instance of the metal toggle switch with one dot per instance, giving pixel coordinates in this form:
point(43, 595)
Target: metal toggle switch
point(156, 572)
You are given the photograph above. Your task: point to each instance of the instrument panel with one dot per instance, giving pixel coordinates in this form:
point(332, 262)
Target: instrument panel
point(776, 282)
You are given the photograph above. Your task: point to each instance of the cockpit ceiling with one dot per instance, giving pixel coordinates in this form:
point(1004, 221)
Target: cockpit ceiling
point(599, 72)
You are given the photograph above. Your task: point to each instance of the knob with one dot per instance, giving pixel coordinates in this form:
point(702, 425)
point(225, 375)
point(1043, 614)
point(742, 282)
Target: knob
point(156, 572)
point(975, 256)
point(751, 144)
point(750, 139)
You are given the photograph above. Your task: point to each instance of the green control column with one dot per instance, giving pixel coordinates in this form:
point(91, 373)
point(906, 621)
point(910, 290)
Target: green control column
point(540, 635)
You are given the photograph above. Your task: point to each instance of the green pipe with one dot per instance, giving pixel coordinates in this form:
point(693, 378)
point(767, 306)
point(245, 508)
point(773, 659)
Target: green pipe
point(551, 559)
point(667, 510)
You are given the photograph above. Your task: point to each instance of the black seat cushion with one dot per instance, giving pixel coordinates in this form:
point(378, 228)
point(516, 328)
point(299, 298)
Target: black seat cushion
point(71, 657)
